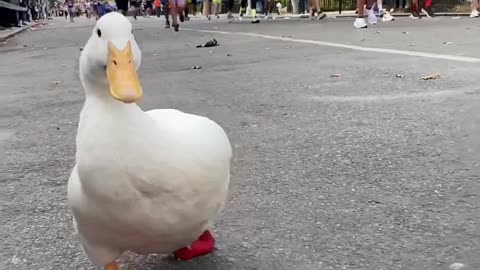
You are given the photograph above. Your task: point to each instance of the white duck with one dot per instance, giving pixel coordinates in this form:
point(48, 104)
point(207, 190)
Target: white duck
point(147, 182)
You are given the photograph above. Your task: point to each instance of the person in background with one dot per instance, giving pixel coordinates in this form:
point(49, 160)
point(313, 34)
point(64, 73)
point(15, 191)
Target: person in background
point(166, 12)
point(122, 6)
point(148, 8)
point(95, 9)
point(361, 7)
point(316, 8)
point(475, 5)
point(268, 9)
point(427, 9)
point(157, 5)
point(101, 10)
point(23, 14)
point(65, 10)
point(88, 9)
point(193, 4)
point(108, 8)
point(207, 8)
point(304, 7)
point(134, 6)
point(385, 15)
point(243, 9)
point(217, 7)
point(176, 10)
point(71, 9)
point(229, 6)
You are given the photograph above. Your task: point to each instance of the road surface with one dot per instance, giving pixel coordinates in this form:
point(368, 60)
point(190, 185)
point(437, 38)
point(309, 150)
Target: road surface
point(343, 157)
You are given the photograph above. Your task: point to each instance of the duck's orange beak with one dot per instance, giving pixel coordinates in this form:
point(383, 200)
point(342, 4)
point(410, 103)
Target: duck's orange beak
point(122, 75)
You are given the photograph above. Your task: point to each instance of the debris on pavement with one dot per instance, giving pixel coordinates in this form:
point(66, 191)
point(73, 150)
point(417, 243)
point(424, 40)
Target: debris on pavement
point(210, 43)
point(400, 76)
point(433, 76)
point(374, 201)
point(57, 82)
point(335, 76)
point(411, 45)
point(197, 67)
point(81, 48)
point(457, 266)
point(447, 43)
point(405, 32)
point(229, 54)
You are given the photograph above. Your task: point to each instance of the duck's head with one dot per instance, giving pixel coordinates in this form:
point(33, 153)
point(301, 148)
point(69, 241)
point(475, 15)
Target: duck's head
point(110, 59)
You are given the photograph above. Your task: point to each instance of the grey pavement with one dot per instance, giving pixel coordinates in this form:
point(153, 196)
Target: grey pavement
point(362, 171)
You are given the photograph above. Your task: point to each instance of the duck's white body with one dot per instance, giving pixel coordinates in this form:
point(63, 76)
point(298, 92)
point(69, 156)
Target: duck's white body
point(153, 186)
point(149, 182)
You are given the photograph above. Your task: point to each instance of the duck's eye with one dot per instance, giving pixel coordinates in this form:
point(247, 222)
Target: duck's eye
point(99, 33)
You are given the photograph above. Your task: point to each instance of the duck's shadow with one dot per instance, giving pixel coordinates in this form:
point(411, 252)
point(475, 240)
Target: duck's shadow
point(131, 261)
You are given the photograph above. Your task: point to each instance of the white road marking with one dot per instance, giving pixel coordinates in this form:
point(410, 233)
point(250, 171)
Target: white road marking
point(351, 47)
point(393, 97)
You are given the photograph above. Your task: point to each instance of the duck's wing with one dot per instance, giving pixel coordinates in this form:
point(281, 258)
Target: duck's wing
point(205, 131)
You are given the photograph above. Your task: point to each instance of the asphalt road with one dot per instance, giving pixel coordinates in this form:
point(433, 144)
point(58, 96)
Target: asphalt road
point(362, 171)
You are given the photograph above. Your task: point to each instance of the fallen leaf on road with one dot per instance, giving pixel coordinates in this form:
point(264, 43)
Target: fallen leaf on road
point(433, 76)
point(448, 43)
point(57, 82)
point(335, 76)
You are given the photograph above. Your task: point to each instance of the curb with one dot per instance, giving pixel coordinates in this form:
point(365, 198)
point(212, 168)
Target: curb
point(439, 14)
point(15, 32)
point(347, 15)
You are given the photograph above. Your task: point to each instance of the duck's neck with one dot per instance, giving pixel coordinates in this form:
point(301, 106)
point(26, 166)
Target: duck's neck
point(98, 98)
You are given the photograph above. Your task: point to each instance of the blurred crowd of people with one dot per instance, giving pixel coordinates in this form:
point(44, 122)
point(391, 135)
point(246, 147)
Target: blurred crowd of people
point(32, 11)
point(176, 11)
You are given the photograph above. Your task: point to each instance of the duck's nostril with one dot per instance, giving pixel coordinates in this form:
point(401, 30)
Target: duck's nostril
point(115, 62)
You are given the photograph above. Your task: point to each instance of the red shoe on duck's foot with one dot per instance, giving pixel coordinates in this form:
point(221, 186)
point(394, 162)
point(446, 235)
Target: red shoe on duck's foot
point(202, 246)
